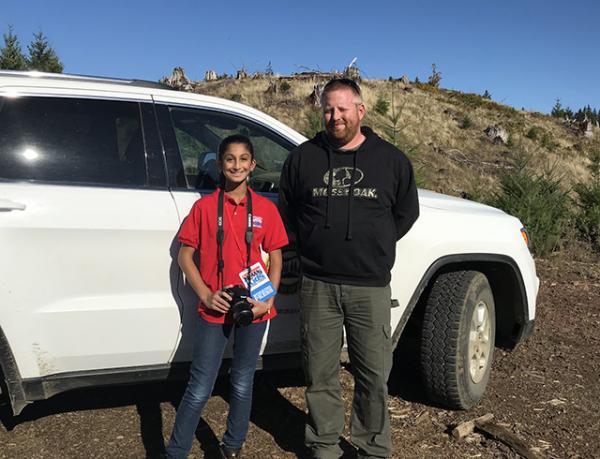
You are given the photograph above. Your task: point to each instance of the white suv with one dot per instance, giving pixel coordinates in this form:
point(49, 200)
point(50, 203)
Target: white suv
point(96, 176)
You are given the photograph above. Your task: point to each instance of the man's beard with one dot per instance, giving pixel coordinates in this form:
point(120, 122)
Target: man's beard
point(339, 138)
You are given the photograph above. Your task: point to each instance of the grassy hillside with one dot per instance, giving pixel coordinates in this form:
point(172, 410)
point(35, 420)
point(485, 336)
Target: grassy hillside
point(544, 171)
point(442, 130)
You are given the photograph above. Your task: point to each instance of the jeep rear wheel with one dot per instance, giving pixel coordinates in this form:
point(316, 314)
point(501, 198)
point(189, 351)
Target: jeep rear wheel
point(457, 340)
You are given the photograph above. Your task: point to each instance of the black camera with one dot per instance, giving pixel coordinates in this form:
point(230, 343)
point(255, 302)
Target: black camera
point(241, 309)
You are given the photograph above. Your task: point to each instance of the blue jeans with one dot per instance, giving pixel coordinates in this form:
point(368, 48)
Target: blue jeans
point(209, 344)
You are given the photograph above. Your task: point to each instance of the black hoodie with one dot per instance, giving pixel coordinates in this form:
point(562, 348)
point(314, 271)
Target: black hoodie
point(347, 209)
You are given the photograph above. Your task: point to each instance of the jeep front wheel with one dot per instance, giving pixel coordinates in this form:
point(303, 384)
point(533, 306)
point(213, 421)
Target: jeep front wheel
point(457, 340)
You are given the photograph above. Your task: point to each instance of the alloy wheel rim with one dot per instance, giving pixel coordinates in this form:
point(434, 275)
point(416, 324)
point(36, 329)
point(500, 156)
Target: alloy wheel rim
point(479, 349)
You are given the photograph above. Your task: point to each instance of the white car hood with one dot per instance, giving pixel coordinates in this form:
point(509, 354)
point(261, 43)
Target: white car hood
point(439, 201)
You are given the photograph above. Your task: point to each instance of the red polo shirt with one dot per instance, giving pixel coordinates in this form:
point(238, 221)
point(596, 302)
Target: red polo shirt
point(199, 230)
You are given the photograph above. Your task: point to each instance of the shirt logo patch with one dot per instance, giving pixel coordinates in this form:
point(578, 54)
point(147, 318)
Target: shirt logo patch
point(343, 177)
point(257, 222)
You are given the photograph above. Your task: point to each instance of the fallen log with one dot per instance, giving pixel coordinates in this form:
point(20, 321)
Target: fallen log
point(466, 428)
point(501, 434)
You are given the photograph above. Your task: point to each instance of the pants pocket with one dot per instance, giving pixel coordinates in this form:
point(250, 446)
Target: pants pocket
point(370, 403)
point(388, 351)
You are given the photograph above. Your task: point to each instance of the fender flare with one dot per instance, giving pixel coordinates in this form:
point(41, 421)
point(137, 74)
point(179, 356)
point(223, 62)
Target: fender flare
point(487, 263)
point(12, 377)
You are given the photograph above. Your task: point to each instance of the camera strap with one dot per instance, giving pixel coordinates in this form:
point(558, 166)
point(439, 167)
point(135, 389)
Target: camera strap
point(221, 236)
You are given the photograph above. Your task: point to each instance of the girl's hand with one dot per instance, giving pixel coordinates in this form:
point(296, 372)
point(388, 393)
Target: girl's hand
point(260, 308)
point(218, 301)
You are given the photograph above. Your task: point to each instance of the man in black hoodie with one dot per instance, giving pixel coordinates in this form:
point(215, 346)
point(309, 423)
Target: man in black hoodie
point(346, 197)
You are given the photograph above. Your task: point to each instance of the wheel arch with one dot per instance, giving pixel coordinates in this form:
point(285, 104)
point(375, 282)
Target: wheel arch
point(513, 323)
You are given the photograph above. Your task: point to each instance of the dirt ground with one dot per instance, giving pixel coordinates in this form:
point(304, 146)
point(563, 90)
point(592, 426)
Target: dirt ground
point(545, 393)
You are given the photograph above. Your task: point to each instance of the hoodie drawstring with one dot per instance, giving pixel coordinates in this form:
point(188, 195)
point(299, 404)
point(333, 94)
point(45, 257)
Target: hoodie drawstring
point(326, 144)
point(350, 200)
point(329, 188)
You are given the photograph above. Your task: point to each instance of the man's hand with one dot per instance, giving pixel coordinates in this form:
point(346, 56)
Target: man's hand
point(218, 301)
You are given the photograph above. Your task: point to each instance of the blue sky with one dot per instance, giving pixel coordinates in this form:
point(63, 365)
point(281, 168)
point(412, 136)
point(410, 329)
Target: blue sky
point(526, 53)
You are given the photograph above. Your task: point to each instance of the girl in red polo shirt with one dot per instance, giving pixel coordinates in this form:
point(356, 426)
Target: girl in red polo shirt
point(226, 264)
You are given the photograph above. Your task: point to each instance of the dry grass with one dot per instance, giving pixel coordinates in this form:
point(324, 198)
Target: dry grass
point(443, 129)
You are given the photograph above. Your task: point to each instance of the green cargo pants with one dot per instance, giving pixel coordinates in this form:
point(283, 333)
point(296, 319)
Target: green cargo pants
point(364, 312)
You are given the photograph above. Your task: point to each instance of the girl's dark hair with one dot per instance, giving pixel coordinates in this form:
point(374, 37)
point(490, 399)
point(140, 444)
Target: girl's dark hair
point(235, 138)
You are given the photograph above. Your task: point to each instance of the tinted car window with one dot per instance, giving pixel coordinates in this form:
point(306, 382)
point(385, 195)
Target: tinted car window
point(71, 141)
point(199, 133)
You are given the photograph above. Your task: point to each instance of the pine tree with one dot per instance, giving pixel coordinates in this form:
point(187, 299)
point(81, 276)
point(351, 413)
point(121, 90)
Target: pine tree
point(569, 113)
point(11, 56)
point(269, 70)
point(41, 55)
point(557, 110)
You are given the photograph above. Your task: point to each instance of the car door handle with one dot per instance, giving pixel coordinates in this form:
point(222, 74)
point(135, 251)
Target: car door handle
point(7, 204)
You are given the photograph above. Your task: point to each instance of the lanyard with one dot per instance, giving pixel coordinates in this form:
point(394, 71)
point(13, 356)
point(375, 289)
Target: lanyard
point(221, 235)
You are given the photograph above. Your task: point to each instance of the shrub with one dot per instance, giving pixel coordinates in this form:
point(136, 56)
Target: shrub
point(479, 191)
point(535, 133)
point(587, 220)
point(285, 87)
point(547, 142)
point(510, 143)
point(381, 106)
point(392, 128)
point(539, 134)
point(538, 200)
point(473, 101)
point(465, 122)
point(313, 121)
point(468, 100)
point(393, 132)
point(237, 97)
point(424, 86)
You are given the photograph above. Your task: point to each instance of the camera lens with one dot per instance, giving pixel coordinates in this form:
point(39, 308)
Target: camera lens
point(242, 313)
point(240, 307)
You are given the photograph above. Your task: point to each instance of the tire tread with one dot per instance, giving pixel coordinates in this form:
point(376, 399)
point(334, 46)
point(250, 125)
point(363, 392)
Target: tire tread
point(440, 338)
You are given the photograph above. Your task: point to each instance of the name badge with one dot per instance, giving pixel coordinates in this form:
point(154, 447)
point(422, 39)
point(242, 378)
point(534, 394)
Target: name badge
point(261, 287)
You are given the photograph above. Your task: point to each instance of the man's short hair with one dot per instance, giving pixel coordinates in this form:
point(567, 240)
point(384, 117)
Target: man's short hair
point(342, 83)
